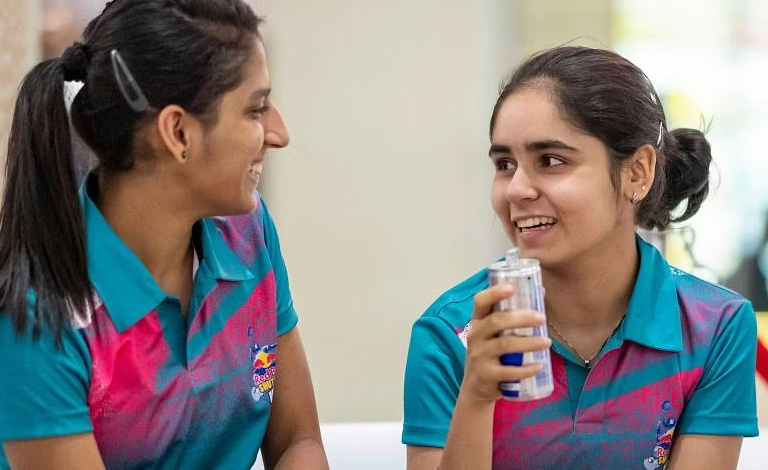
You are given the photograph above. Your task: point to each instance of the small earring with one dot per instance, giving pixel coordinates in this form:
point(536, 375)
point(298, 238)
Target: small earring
point(635, 198)
point(643, 188)
point(184, 154)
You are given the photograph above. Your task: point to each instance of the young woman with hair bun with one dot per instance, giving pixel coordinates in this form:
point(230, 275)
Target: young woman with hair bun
point(653, 368)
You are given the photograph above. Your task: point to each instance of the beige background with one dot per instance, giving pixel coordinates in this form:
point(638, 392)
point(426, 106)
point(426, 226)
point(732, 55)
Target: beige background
point(19, 45)
point(382, 197)
point(762, 401)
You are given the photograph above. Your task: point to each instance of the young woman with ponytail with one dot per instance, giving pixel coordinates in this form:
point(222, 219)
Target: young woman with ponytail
point(146, 317)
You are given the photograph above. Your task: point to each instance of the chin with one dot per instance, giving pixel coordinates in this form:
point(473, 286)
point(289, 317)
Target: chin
point(245, 206)
point(544, 256)
point(250, 204)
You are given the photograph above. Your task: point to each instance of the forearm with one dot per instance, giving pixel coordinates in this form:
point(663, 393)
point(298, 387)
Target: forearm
point(306, 453)
point(705, 452)
point(55, 453)
point(469, 445)
point(292, 440)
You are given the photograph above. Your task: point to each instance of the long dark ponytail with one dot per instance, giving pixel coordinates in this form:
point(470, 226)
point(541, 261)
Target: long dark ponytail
point(42, 245)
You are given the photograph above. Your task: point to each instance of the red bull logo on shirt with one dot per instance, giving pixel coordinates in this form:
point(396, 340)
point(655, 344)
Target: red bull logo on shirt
point(264, 361)
point(665, 431)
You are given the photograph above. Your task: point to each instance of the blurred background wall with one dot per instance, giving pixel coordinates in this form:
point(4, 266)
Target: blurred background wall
point(382, 200)
point(20, 45)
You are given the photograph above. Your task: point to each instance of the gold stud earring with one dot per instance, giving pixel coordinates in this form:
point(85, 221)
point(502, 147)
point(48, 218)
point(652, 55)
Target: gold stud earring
point(635, 198)
point(184, 154)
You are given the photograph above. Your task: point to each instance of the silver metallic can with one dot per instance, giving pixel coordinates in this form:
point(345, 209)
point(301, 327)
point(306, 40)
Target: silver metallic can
point(524, 274)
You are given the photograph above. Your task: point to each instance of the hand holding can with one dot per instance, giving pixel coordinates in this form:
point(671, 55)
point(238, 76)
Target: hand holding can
point(524, 275)
point(482, 369)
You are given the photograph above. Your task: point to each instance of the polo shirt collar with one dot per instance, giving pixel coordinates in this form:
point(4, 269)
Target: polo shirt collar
point(653, 314)
point(222, 262)
point(122, 281)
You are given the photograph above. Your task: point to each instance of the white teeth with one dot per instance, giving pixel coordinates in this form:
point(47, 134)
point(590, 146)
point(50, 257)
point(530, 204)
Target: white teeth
point(534, 221)
point(255, 170)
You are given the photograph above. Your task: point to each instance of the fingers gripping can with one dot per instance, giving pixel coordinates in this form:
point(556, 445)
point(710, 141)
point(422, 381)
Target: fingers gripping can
point(524, 274)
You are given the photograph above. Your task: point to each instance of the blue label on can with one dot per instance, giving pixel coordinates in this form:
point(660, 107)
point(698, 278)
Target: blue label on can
point(512, 359)
point(510, 393)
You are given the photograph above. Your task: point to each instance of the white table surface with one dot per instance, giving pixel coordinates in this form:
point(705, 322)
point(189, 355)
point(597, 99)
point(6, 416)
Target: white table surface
point(362, 446)
point(754, 452)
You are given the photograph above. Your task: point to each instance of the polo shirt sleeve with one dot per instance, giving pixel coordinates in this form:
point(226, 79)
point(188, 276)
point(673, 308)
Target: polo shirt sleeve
point(724, 401)
point(286, 314)
point(433, 375)
point(43, 390)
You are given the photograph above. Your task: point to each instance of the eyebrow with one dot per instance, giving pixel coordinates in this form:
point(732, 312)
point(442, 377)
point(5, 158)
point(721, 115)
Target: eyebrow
point(260, 93)
point(538, 145)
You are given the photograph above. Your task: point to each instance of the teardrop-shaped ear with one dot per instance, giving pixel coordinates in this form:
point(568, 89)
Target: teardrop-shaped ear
point(639, 172)
point(173, 126)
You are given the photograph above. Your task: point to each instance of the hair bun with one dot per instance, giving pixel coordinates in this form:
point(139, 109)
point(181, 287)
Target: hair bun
point(74, 62)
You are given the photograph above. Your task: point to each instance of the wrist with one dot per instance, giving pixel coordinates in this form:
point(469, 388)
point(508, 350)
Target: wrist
point(474, 401)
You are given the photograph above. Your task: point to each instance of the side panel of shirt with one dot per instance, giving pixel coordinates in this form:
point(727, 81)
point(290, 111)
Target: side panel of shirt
point(43, 390)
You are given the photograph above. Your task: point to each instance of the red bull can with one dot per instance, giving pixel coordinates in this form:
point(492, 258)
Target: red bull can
point(524, 274)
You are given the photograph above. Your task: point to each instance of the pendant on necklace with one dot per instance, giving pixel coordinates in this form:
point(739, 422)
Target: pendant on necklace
point(587, 364)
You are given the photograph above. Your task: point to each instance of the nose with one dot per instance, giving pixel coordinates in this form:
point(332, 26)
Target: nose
point(275, 130)
point(520, 187)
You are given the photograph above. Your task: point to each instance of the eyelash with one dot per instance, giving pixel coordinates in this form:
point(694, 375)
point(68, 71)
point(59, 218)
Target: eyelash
point(505, 164)
point(549, 158)
point(501, 163)
point(259, 111)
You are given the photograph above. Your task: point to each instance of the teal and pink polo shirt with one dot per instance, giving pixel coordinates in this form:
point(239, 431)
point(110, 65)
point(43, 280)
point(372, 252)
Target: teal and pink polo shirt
point(159, 391)
point(681, 362)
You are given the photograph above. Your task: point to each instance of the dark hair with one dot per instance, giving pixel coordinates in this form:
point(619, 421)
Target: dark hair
point(607, 96)
point(183, 52)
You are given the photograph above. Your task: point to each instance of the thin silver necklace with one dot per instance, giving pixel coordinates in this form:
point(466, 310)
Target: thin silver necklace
point(587, 360)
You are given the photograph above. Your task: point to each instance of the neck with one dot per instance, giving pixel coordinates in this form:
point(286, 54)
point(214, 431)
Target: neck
point(592, 294)
point(587, 358)
point(152, 227)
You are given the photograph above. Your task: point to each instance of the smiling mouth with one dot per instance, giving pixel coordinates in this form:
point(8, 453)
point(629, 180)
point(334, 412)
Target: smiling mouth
point(255, 169)
point(534, 223)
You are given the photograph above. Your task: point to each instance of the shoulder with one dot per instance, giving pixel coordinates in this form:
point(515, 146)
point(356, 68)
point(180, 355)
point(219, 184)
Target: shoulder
point(454, 307)
point(698, 299)
point(705, 304)
point(692, 285)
